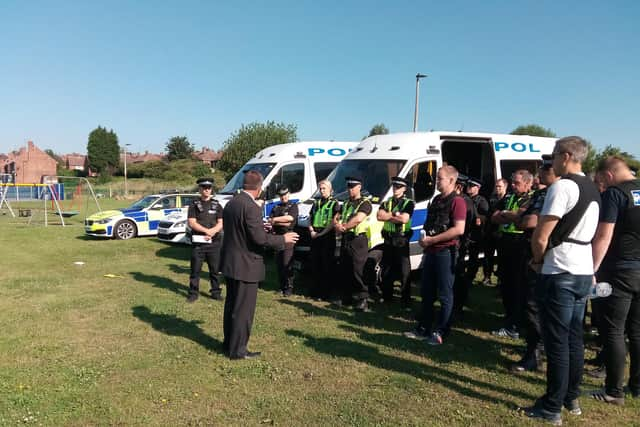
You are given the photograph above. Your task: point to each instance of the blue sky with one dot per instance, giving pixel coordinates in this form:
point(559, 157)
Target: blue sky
point(153, 70)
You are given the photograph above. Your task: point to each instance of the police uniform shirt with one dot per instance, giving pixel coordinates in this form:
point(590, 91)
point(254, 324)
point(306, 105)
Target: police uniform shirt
point(206, 212)
point(282, 209)
point(365, 207)
point(614, 205)
point(319, 203)
point(407, 208)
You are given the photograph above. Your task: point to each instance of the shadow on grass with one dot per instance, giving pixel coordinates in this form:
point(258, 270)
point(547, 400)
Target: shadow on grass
point(180, 252)
point(450, 379)
point(170, 324)
point(161, 282)
point(180, 269)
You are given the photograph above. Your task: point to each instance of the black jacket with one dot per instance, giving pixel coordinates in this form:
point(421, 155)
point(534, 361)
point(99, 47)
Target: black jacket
point(244, 240)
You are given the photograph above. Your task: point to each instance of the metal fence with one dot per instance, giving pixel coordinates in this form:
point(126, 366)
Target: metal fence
point(24, 192)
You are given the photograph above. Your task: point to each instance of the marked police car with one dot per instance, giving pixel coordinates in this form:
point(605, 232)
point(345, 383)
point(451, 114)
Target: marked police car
point(140, 219)
point(173, 228)
point(297, 165)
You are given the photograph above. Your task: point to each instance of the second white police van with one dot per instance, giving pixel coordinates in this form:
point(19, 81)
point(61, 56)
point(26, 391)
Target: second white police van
point(297, 165)
point(417, 157)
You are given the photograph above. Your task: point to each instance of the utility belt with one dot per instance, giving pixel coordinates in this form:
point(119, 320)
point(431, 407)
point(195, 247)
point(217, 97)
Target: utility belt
point(349, 235)
point(397, 240)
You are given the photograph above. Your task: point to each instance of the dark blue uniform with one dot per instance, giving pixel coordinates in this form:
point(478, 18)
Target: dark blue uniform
point(284, 258)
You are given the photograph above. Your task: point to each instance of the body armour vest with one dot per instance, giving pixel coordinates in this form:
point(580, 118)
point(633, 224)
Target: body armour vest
point(588, 193)
point(439, 215)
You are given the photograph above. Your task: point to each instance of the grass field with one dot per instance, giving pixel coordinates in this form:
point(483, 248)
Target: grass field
point(79, 348)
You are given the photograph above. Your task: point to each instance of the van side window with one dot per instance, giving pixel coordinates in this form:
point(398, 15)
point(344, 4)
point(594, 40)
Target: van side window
point(323, 169)
point(422, 177)
point(291, 176)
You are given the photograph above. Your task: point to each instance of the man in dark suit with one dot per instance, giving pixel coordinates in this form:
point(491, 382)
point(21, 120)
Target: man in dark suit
point(242, 263)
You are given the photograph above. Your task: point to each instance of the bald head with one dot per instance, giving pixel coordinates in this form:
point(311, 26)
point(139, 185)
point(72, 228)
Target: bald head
point(614, 170)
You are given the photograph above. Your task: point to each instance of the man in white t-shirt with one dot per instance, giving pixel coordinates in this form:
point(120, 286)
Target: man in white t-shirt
point(561, 247)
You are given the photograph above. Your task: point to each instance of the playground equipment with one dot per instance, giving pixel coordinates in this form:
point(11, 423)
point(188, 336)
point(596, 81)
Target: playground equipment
point(52, 198)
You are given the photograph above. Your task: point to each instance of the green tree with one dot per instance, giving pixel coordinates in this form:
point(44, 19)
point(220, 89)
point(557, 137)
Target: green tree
point(243, 144)
point(103, 151)
point(533, 130)
point(378, 129)
point(610, 150)
point(178, 148)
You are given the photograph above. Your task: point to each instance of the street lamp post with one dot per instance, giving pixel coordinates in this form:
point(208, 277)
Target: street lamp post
point(126, 190)
point(415, 113)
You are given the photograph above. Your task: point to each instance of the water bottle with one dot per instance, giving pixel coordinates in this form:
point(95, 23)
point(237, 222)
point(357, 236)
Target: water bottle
point(600, 290)
point(423, 234)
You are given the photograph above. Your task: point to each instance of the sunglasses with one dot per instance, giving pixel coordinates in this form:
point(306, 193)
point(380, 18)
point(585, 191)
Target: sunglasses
point(205, 187)
point(397, 185)
point(352, 185)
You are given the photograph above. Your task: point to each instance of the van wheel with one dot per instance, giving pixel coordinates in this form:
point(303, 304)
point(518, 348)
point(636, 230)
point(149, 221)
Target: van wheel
point(125, 230)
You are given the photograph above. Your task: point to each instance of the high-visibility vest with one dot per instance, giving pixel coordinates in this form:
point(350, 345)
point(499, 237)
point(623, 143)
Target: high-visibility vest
point(513, 204)
point(392, 227)
point(323, 213)
point(348, 210)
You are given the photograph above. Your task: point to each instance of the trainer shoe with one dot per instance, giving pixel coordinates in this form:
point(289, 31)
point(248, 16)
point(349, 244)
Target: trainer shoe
point(216, 296)
point(599, 373)
point(542, 414)
point(192, 298)
point(573, 407)
point(417, 334)
point(436, 339)
point(506, 333)
point(602, 396)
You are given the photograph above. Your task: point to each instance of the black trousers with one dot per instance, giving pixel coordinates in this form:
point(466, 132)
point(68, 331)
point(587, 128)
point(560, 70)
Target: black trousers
point(621, 311)
point(323, 264)
point(532, 315)
point(513, 286)
point(353, 256)
point(284, 264)
point(211, 254)
point(460, 284)
point(489, 246)
point(473, 264)
point(396, 266)
point(239, 309)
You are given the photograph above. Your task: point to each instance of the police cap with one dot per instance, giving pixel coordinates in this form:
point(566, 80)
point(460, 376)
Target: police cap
point(462, 179)
point(547, 161)
point(398, 181)
point(353, 180)
point(282, 191)
point(474, 181)
point(205, 182)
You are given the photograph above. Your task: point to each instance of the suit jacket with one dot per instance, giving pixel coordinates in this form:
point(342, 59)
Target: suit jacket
point(244, 240)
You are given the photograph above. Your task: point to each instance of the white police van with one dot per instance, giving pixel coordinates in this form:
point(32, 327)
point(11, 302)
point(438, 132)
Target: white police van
point(417, 157)
point(297, 165)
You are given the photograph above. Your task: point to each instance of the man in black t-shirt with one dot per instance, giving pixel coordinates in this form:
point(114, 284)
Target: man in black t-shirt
point(205, 220)
point(616, 255)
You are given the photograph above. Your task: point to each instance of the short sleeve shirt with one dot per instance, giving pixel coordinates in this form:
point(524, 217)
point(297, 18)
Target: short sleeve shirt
point(458, 213)
point(569, 257)
point(614, 205)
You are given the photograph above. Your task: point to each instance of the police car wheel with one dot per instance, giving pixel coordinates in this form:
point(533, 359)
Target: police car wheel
point(124, 230)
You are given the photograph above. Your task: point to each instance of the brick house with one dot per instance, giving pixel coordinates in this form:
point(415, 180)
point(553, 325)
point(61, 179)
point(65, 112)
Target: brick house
point(29, 164)
point(75, 161)
point(133, 158)
point(208, 157)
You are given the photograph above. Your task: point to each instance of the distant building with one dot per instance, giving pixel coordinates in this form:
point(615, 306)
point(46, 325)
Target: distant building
point(208, 157)
point(75, 162)
point(28, 165)
point(141, 158)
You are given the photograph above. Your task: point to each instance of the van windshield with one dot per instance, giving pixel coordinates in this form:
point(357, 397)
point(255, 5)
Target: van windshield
point(235, 183)
point(376, 175)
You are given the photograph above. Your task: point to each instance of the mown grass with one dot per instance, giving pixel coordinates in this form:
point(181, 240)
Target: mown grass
point(79, 348)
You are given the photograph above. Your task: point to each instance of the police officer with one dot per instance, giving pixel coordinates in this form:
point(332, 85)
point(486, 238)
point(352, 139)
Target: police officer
point(492, 233)
point(460, 286)
point(531, 360)
point(205, 220)
point(511, 251)
point(476, 234)
point(352, 224)
point(323, 240)
point(396, 213)
point(283, 219)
